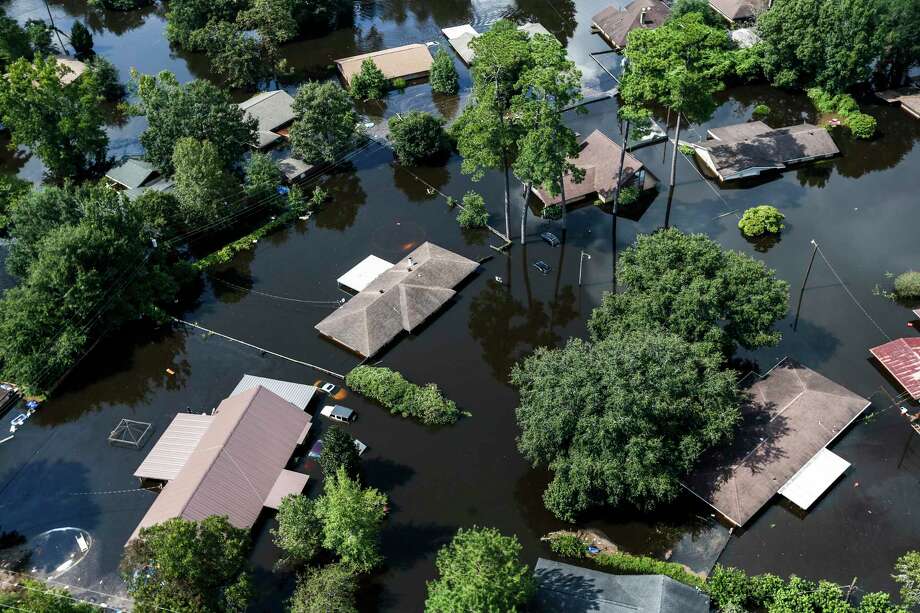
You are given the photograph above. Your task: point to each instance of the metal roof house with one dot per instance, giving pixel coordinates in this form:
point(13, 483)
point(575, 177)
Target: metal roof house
point(901, 358)
point(405, 62)
point(399, 299)
point(297, 394)
point(740, 10)
point(614, 23)
point(132, 174)
point(236, 466)
point(750, 149)
point(273, 111)
point(564, 588)
point(791, 414)
point(599, 157)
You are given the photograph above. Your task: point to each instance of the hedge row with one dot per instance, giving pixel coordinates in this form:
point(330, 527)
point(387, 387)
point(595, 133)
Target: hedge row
point(626, 564)
point(402, 397)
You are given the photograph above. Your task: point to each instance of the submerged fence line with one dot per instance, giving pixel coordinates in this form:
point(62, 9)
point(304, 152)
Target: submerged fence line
point(262, 349)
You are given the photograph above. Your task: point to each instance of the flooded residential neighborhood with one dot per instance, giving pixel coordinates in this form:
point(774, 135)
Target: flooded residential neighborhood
point(72, 500)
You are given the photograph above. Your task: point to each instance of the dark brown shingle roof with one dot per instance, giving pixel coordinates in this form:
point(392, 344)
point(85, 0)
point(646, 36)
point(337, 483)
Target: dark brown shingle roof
point(614, 23)
point(600, 159)
point(791, 413)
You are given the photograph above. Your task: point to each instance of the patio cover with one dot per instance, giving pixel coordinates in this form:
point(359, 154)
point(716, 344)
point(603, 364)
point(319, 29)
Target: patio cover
point(288, 482)
point(901, 358)
point(364, 273)
point(297, 394)
point(175, 446)
point(791, 414)
point(813, 479)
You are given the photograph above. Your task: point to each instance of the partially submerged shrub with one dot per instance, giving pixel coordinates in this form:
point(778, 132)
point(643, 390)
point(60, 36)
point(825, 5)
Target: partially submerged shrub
point(907, 285)
point(761, 111)
point(629, 195)
point(402, 397)
point(862, 125)
point(474, 213)
point(417, 137)
point(443, 77)
point(567, 545)
point(760, 220)
point(686, 150)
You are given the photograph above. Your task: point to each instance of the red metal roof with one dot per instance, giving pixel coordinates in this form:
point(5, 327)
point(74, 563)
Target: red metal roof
point(901, 358)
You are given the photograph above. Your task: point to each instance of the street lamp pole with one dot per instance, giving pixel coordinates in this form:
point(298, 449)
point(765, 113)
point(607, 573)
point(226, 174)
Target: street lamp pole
point(581, 262)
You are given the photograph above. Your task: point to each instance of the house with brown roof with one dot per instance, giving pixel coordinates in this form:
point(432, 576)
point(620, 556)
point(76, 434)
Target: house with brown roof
point(614, 23)
point(406, 62)
point(599, 157)
point(228, 463)
point(789, 417)
point(749, 149)
point(901, 358)
point(399, 299)
point(740, 10)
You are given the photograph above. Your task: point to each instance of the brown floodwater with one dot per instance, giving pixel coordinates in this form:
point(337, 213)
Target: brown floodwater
point(59, 471)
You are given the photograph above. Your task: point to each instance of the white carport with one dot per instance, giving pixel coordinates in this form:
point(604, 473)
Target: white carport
point(364, 273)
point(813, 479)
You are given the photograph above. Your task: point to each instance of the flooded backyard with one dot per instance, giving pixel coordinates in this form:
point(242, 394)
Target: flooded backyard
point(861, 208)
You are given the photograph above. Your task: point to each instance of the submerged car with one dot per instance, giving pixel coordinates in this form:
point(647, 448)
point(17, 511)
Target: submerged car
point(542, 266)
point(550, 238)
point(338, 413)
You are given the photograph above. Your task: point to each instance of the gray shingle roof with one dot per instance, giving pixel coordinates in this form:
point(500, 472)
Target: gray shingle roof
point(401, 298)
point(132, 173)
point(774, 149)
point(614, 23)
point(564, 588)
point(272, 110)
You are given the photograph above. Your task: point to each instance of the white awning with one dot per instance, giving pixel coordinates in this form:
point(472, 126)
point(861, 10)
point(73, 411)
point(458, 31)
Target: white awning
point(297, 394)
point(813, 479)
point(366, 271)
point(173, 449)
point(288, 482)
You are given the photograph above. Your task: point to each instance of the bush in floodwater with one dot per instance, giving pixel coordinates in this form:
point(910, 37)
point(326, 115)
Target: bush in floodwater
point(907, 285)
point(862, 125)
point(474, 213)
point(369, 83)
point(629, 195)
point(402, 397)
point(761, 111)
point(687, 150)
point(444, 78)
point(567, 546)
point(760, 220)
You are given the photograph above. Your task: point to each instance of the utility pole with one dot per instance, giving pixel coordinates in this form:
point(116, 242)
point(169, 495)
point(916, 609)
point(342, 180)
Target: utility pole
point(54, 27)
point(581, 262)
point(667, 215)
point(616, 202)
point(811, 262)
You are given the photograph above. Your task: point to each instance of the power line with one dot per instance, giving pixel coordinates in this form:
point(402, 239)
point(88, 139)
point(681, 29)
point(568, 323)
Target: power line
point(276, 297)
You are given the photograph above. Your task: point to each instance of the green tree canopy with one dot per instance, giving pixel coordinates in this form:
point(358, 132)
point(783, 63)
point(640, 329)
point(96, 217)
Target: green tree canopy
point(62, 124)
point(299, 531)
point(186, 16)
point(81, 40)
point(907, 575)
point(836, 43)
point(239, 60)
point(688, 285)
point(183, 565)
point(369, 83)
point(710, 17)
point(641, 407)
point(351, 517)
point(444, 78)
point(417, 137)
point(480, 570)
point(199, 110)
point(339, 451)
point(680, 65)
point(14, 42)
point(262, 176)
point(326, 126)
point(90, 266)
point(326, 589)
point(37, 596)
point(205, 190)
